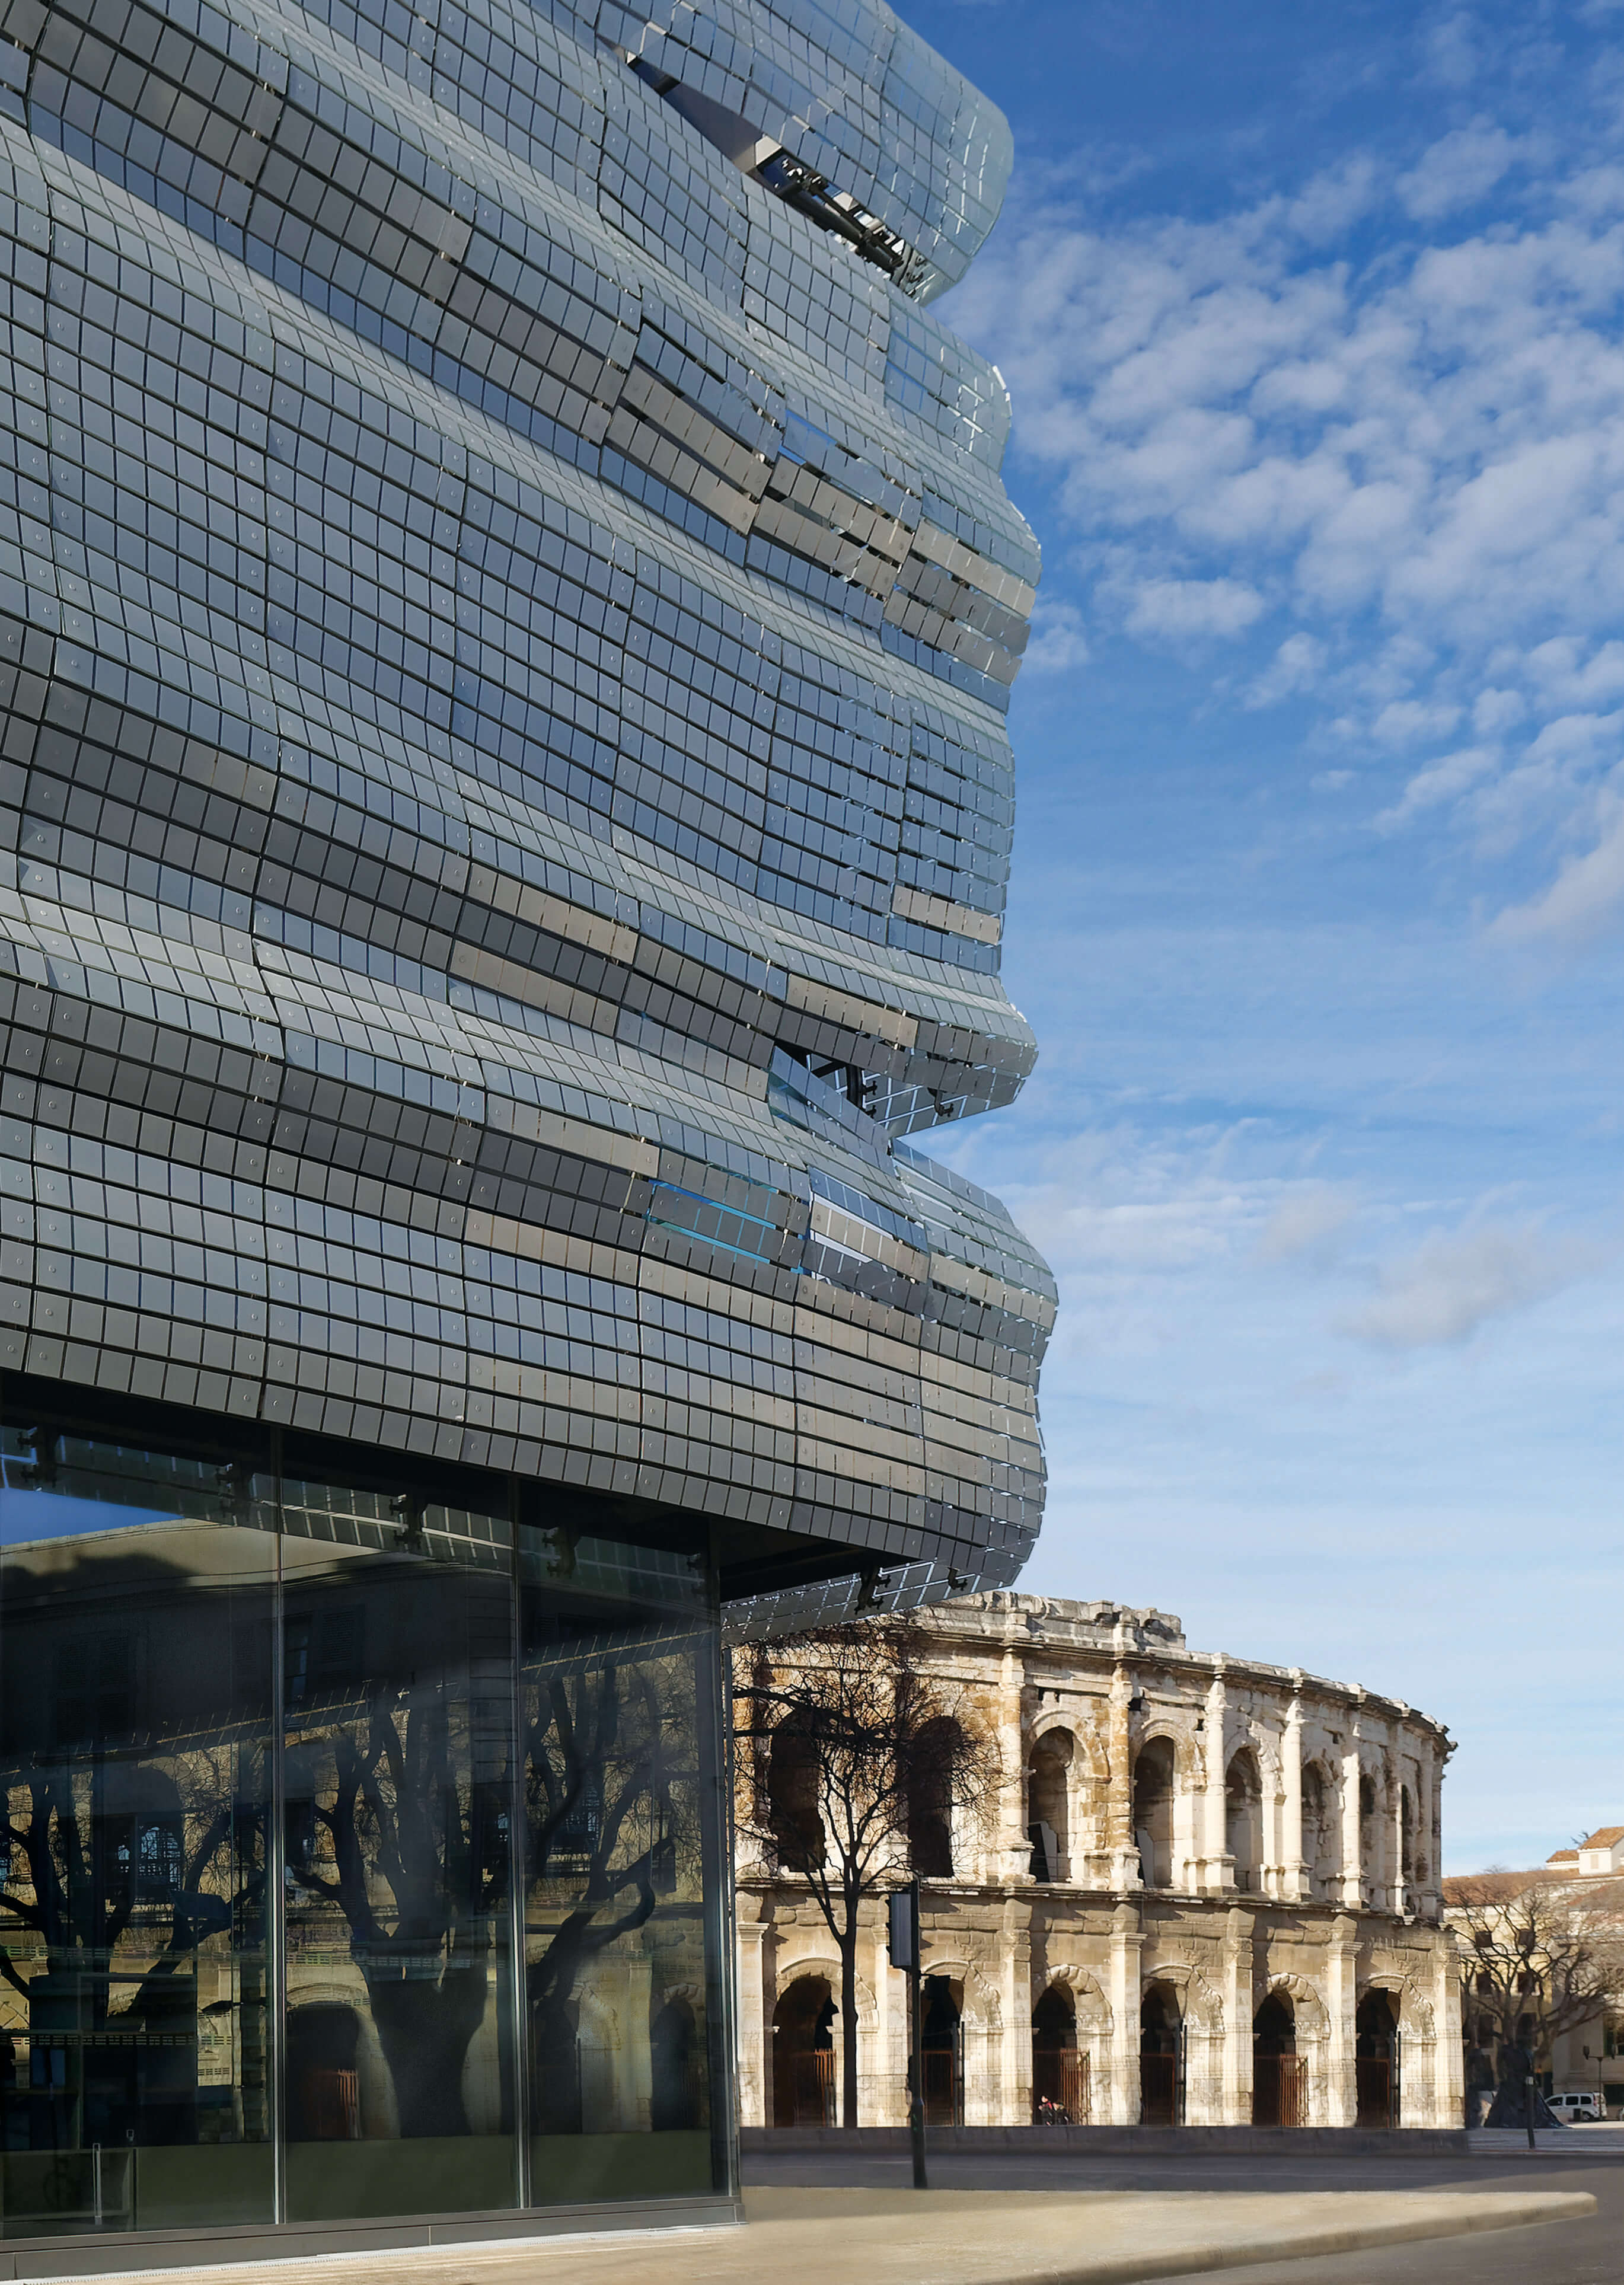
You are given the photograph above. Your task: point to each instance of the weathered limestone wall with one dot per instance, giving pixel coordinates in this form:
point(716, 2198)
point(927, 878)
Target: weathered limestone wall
point(1297, 1854)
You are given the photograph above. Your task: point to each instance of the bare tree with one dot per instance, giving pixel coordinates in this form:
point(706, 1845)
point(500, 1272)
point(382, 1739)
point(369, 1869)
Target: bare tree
point(610, 1812)
point(1538, 1955)
point(855, 1762)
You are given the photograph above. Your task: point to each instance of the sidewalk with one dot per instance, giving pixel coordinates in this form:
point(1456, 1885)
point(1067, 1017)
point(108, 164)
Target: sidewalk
point(1586, 2141)
point(944, 2237)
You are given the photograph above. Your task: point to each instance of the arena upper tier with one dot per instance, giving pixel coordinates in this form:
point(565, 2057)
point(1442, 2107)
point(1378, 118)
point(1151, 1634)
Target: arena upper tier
point(1205, 1891)
point(507, 609)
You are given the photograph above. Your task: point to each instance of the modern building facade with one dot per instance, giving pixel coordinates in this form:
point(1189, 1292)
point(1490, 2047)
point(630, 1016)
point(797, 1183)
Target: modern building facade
point(1205, 1892)
point(506, 612)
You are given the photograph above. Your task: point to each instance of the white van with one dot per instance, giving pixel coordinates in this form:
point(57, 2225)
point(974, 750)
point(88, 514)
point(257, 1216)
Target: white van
point(1579, 2110)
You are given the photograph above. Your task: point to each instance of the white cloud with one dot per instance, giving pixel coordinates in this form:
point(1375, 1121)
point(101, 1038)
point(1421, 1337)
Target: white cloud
point(1439, 782)
point(1298, 665)
point(1186, 611)
point(1585, 897)
point(1451, 51)
point(1306, 1221)
point(1406, 475)
point(1452, 1284)
point(1058, 642)
point(1460, 168)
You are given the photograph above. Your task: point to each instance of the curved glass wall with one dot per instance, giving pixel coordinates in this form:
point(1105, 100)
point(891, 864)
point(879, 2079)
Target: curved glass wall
point(361, 1845)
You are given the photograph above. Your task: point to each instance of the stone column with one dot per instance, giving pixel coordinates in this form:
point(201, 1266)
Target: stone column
point(1126, 1942)
point(1216, 1870)
point(1239, 2008)
point(1120, 1809)
point(1014, 1859)
point(1341, 2002)
point(1014, 1995)
point(1293, 1870)
point(751, 2022)
point(1353, 1893)
point(1395, 1838)
point(1426, 1834)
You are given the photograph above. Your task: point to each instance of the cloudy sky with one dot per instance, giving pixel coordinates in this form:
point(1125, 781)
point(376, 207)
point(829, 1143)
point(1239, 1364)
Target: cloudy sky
point(1313, 321)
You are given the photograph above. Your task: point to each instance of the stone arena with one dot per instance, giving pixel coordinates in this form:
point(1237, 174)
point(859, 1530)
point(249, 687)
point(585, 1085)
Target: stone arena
point(1206, 1893)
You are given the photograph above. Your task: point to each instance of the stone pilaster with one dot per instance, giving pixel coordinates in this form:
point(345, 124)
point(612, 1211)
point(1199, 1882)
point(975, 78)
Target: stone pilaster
point(1128, 1942)
point(1235, 2093)
point(1293, 1870)
point(1215, 1868)
point(752, 1928)
point(1119, 1807)
point(1016, 1998)
point(1341, 2001)
point(1353, 1871)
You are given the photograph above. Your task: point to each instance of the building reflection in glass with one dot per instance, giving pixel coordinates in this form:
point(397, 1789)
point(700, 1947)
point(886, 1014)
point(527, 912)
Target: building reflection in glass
point(361, 1850)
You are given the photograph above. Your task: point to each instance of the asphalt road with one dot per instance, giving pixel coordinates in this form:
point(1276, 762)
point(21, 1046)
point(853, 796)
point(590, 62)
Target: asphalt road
point(1562, 2253)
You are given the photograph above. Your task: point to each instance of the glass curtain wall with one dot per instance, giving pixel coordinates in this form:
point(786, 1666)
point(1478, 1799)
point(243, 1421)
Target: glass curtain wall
point(362, 1853)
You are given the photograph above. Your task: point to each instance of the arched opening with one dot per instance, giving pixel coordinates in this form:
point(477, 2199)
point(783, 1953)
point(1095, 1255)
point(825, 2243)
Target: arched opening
point(323, 2081)
point(1375, 2059)
point(1244, 1818)
point(942, 2050)
point(1407, 1835)
point(1059, 2072)
point(1322, 1851)
point(803, 2054)
point(676, 2097)
point(1161, 2058)
point(795, 1816)
point(1279, 2088)
point(930, 1799)
point(1153, 1812)
point(1049, 1821)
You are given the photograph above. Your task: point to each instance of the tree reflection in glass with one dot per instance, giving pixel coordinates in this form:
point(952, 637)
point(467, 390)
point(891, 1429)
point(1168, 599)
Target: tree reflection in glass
point(614, 1938)
point(136, 1598)
point(397, 1648)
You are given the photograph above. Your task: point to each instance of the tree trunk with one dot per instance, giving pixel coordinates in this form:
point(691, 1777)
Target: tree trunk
point(425, 2029)
point(848, 2019)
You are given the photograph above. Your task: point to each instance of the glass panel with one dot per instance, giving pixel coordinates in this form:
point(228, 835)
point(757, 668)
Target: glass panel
point(622, 1964)
point(397, 1634)
point(136, 1594)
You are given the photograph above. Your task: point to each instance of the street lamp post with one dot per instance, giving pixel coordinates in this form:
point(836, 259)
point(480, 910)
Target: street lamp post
point(904, 1944)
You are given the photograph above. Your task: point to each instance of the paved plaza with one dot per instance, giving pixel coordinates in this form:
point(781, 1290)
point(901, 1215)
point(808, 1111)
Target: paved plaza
point(1050, 2230)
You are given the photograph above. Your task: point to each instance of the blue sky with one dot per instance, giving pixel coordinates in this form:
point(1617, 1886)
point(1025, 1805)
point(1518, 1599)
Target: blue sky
point(1314, 322)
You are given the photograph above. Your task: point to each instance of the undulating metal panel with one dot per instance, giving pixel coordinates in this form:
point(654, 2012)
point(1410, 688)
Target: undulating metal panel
point(507, 614)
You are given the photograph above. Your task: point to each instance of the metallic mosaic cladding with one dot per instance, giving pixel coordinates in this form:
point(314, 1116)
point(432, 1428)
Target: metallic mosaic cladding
point(506, 612)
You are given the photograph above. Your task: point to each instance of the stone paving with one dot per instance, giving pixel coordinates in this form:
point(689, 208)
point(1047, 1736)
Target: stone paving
point(946, 2237)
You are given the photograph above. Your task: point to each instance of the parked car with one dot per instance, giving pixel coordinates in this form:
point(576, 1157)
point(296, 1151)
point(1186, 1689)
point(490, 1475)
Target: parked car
point(1579, 2110)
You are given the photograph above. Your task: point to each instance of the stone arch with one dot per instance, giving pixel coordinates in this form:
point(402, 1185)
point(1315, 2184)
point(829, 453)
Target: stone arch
point(1322, 1821)
point(378, 2114)
point(1418, 2102)
point(1050, 1786)
point(828, 1966)
point(981, 2030)
point(1244, 1822)
point(1202, 2009)
point(1312, 2015)
point(1095, 2028)
point(1092, 2008)
point(1313, 2027)
point(1155, 1793)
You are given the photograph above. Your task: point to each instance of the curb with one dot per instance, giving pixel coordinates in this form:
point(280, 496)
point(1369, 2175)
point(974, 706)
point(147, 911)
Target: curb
point(1117, 2142)
point(1306, 2244)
